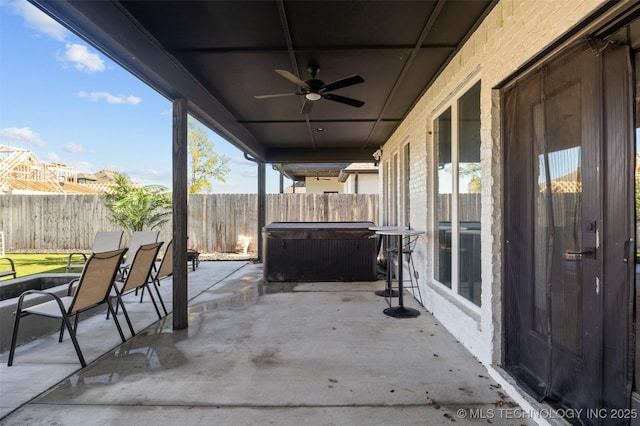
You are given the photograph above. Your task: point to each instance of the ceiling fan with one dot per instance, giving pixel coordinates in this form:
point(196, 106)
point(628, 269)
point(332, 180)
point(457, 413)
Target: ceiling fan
point(314, 89)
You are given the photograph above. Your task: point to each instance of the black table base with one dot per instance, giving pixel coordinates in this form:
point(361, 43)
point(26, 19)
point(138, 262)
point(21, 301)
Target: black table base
point(387, 293)
point(401, 312)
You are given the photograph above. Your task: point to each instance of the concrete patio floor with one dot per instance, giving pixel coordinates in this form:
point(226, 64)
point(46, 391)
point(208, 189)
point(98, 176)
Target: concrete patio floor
point(258, 353)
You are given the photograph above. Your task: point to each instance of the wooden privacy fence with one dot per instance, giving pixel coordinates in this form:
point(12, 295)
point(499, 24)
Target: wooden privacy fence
point(60, 223)
point(469, 207)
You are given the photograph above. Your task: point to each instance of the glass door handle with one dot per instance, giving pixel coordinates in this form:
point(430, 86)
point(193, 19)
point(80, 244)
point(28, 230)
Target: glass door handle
point(628, 249)
point(579, 255)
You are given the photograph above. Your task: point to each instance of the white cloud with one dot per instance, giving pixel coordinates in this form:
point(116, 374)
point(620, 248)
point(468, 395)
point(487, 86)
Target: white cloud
point(73, 147)
point(38, 20)
point(109, 98)
point(83, 60)
point(53, 157)
point(22, 136)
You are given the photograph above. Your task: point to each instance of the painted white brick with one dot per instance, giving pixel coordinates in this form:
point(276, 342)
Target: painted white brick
point(513, 33)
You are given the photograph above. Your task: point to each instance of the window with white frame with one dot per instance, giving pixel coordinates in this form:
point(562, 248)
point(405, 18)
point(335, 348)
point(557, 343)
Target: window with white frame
point(385, 193)
point(457, 196)
point(406, 186)
point(393, 191)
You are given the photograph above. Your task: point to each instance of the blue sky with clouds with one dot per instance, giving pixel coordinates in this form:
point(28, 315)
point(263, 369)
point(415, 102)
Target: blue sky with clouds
point(70, 104)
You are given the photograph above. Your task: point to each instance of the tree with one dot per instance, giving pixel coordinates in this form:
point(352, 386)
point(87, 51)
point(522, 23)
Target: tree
point(206, 164)
point(472, 172)
point(135, 208)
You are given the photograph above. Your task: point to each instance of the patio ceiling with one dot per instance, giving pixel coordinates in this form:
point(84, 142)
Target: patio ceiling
point(219, 54)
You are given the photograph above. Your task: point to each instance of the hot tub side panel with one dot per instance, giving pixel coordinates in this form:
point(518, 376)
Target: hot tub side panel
point(338, 255)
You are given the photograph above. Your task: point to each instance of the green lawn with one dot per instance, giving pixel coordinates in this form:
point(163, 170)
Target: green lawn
point(29, 264)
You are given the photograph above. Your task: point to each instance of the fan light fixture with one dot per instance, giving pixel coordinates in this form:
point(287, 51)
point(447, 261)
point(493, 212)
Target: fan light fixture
point(314, 89)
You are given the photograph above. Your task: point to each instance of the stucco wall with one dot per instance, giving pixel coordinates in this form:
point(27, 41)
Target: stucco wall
point(367, 184)
point(322, 185)
point(513, 33)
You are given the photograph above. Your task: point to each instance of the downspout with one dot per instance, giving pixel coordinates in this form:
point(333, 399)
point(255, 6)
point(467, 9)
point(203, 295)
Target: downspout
point(261, 199)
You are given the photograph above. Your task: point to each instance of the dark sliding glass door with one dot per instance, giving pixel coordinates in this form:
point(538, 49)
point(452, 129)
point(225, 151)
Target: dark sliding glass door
point(568, 215)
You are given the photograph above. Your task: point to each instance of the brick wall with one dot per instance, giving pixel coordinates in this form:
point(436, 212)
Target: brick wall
point(514, 32)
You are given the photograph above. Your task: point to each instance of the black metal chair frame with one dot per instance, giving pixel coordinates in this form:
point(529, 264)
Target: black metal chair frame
point(67, 304)
point(12, 271)
point(165, 269)
point(139, 277)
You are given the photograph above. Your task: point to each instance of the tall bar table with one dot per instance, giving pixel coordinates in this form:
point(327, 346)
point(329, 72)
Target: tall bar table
point(399, 311)
point(386, 240)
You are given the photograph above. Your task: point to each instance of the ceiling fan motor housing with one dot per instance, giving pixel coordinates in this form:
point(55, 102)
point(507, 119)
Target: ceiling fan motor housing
point(315, 84)
point(315, 89)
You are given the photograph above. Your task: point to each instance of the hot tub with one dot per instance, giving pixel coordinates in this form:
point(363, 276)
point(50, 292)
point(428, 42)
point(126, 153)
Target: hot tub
point(319, 251)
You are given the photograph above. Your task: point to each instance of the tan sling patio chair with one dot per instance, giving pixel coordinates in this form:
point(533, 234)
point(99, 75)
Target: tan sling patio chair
point(138, 238)
point(92, 289)
point(139, 277)
point(166, 265)
point(102, 242)
point(7, 272)
point(163, 271)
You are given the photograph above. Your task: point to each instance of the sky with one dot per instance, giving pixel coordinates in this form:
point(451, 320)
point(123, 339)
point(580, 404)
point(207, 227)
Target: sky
point(70, 104)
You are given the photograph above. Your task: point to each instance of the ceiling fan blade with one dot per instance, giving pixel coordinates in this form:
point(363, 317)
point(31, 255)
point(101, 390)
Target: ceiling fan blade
point(276, 95)
point(307, 107)
point(338, 84)
point(292, 78)
point(342, 99)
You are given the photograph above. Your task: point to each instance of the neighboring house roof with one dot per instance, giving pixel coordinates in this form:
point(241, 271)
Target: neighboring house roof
point(25, 186)
point(87, 177)
point(356, 168)
point(300, 171)
point(22, 172)
point(105, 176)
